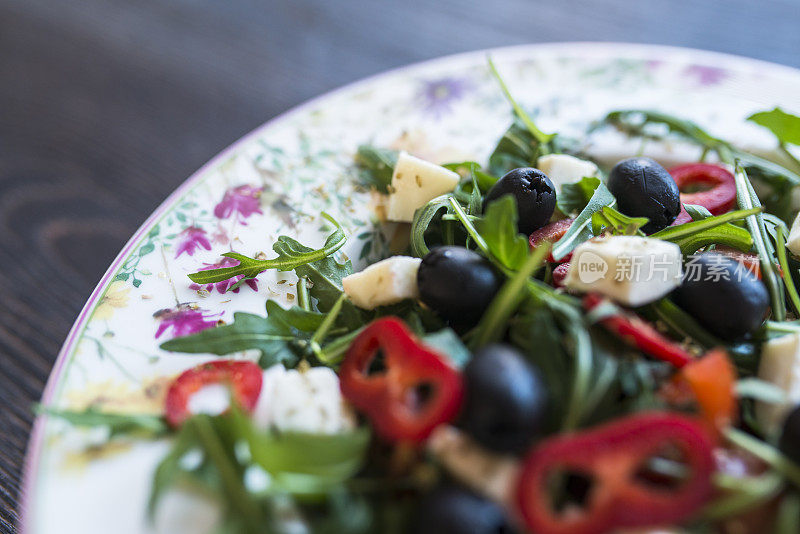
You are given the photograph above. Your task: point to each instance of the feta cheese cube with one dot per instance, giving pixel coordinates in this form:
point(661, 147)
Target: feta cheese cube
point(780, 365)
point(387, 282)
point(793, 241)
point(415, 182)
point(302, 401)
point(631, 270)
point(565, 169)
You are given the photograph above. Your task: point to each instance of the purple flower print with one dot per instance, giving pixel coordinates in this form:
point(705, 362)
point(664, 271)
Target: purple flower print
point(225, 285)
point(243, 201)
point(184, 320)
point(191, 238)
point(438, 96)
point(706, 75)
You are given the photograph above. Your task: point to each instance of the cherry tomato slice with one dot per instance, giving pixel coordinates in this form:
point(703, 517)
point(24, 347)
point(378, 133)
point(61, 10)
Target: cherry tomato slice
point(243, 377)
point(551, 232)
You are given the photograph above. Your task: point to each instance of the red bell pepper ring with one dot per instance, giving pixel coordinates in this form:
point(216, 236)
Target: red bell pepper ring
point(417, 391)
point(552, 233)
point(639, 334)
point(721, 195)
point(244, 379)
point(611, 455)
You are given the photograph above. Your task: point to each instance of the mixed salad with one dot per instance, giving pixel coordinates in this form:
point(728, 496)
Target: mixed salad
point(556, 348)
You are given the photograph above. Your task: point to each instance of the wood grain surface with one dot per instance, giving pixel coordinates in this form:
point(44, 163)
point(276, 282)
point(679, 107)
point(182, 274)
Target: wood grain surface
point(107, 105)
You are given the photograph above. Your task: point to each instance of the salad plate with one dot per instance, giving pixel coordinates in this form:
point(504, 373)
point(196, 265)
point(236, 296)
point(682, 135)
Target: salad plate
point(301, 178)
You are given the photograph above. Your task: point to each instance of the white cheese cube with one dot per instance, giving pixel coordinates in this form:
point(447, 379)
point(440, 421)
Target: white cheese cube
point(415, 182)
point(780, 365)
point(302, 401)
point(387, 282)
point(793, 241)
point(490, 474)
point(631, 270)
point(565, 169)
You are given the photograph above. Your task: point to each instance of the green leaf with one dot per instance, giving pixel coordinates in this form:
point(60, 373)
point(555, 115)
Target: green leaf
point(747, 199)
point(122, 276)
point(573, 197)
point(291, 255)
point(494, 323)
point(303, 463)
point(539, 135)
point(272, 336)
point(117, 424)
point(637, 122)
point(610, 220)
point(516, 148)
point(376, 166)
point(694, 235)
point(326, 277)
point(696, 212)
point(447, 342)
point(295, 317)
point(785, 126)
point(423, 218)
point(578, 231)
point(498, 227)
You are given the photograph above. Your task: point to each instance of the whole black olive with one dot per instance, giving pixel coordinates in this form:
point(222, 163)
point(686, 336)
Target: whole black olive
point(457, 283)
point(643, 188)
point(789, 443)
point(504, 399)
point(722, 295)
point(454, 510)
point(533, 192)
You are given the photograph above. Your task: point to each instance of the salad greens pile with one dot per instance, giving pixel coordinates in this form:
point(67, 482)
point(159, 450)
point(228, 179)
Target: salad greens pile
point(351, 482)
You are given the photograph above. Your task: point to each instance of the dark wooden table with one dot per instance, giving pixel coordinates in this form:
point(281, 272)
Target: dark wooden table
point(107, 105)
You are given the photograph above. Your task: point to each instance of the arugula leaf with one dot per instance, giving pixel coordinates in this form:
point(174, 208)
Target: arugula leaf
point(697, 212)
point(539, 135)
point(785, 126)
point(276, 339)
point(116, 423)
point(219, 469)
point(498, 227)
point(376, 166)
point(694, 235)
point(493, 324)
point(447, 342)
point(304, 463)
point(291, 255)
point(747, 199)
point(573, 197)
point(578, 231)
point(609, 219)
point(423, 218)
point(516, 148)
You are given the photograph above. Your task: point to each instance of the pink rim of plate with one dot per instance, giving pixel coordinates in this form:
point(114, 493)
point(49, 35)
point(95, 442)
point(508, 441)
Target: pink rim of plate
point(581, 49)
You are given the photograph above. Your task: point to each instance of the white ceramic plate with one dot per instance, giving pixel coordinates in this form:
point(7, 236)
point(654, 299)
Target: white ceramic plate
point(279, 178)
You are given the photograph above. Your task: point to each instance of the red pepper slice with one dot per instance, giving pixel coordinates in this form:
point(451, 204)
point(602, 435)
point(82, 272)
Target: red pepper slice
point(552, 233)
point(417, 391)
point(640, 335)
point(243, 377)
point(612, 455)
point(721, 195)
